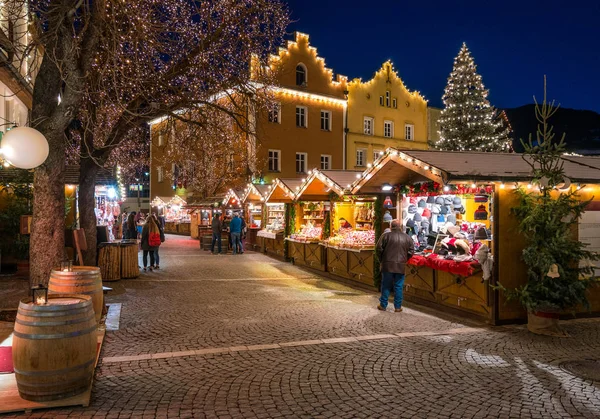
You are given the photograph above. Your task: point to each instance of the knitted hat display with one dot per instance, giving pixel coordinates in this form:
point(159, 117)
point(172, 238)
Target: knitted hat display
point(417, 217)
point(412, 227)
point(431, 199)
point(456, 202)
point(452, 230)
point(481, 234)
point(439, 200)
point(444, 210)
point(447, 200)
point(422, 203)
point(450, 209)
point(387, 217)
point(436, 209)
point(387, 202)
point(460, 235)
point(440, 218)
point(462, 247)
point(481, 196)
point(481, 213)
point(412, 209)
point(426, 213)
point(425, 223)
point(451, 218)
point(413, 200)
point(460, 209)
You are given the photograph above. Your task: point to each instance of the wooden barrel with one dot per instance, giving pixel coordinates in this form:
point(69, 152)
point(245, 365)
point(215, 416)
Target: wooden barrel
point(109, 261)
point(85, 280)
point(54, 347)
point(130, 267)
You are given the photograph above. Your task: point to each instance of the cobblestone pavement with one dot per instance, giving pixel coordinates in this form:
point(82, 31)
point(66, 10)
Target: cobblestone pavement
point(249, 336)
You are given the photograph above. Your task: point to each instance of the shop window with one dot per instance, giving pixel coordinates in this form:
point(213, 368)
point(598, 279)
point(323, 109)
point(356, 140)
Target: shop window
point(160, 174)
point(325, 162)
point(301, 117)
point(368, 125)
point(274, 160)
point(387, 98)
point(388, 129)
point(301, 75)
point(360, 157)
point(409, 132)
point(325, 120)
point(300, 162)
point(275, 113)
point(395, 103)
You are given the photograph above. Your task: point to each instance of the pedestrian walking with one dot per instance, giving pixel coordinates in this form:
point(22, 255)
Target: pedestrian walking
point(235, 230)
point(150, 241)
point(131, 227)
point(242, 234)
point(217, 227)
point(161, 229)
point(394, 249)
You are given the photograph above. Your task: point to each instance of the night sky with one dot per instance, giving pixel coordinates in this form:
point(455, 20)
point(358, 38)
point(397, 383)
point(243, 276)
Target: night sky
point(514, 44)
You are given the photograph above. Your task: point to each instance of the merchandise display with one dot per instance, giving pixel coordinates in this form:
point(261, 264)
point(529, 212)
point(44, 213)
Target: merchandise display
point(353, 239)
point(255, 215)
point(275, 218)
point(308, 233)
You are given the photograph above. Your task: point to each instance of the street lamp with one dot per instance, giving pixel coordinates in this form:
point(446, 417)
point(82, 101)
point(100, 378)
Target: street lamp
point(24, 147)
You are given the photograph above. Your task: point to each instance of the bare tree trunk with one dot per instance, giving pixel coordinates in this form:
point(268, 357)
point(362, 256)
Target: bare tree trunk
point(88, 171)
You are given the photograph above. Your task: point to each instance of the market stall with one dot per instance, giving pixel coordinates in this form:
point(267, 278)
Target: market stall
point(456, 207)
point(201, 215)
point(177, 216)
point(107, 213)
point(279, 200)
point(253, 200)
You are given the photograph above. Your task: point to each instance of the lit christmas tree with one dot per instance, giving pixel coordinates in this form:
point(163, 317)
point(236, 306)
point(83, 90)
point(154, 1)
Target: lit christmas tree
point(469, 122)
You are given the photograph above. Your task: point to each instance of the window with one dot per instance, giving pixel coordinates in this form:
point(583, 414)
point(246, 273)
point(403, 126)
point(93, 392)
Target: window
point(274, 160)
point(381, 100)
point(275, 113)
point(409, 132)
point(377, 154)
point(368, 125)
point(300, 75)
point(326, 120)
point(387, 98)
point(160, 174)
point(300, 162)
point(395, 103)
point(360, 157)
point(161, 140)
point(325, 162)
point(388, 129)
point(301, 117)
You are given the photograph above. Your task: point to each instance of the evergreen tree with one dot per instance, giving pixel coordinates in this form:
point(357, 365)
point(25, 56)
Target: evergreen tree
point(468, 121)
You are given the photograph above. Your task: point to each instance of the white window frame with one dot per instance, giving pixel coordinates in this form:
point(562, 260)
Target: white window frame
point(395, 103)
point(328, 119)
point(388, 102)
point(381, 100)
point(409, 132)
point(391, 129)
point(371, 122)
point(303, 160)
point(376, 154)
point(305, 109)
point(305, 82)
point(160, 175)
point(272, 157)
point(328, 161)
point(360, 162)
point(274, 115)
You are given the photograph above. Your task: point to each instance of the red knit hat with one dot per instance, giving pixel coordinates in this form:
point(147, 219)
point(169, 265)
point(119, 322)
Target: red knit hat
point(426, 213)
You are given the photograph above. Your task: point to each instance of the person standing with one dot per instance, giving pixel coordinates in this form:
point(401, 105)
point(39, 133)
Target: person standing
point(131, 227)
point(394, 249)
point(217, 227)
point(161, 230)
point(242, 234)
point(150, 241)
point(235, 230)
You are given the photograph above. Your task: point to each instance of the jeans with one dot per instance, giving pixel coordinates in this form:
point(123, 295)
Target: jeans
point(241, 244)
point(391, 280)
point(216, 238)
point(235, 241)
point(156, 257)
point(145, 257)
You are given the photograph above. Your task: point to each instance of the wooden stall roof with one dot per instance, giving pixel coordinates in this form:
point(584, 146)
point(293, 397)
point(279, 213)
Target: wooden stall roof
point(160, 201)
point(283, 190)
point(233, 197)
point(320, 183)
point(410, 166)
point(211, 202)
point(255, 193)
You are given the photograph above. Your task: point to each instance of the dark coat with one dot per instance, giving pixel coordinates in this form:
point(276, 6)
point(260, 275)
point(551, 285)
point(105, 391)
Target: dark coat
point(394, 250)
point(145, 234)
point(130, 231)
point(216, 225)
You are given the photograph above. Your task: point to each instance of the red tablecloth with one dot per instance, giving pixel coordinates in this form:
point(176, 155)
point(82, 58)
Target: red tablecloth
point(434, 262)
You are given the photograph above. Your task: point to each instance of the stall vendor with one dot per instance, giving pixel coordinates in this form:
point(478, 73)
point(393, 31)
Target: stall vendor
point(344, 224)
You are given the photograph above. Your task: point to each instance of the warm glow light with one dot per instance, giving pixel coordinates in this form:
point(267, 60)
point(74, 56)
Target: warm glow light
point(446, 188)
point(502, 186)
point(473, 185)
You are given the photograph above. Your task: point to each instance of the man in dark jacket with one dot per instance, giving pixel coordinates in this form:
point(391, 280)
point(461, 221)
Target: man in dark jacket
point(217, 226)
point(394, 249)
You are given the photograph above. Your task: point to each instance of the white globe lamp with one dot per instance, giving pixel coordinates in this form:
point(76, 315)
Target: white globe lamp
point(24, 147)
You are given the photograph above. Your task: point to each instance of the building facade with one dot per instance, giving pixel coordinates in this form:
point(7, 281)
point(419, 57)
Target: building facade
point(383, 113)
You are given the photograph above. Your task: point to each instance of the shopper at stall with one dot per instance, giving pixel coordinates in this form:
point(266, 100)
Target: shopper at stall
point(235, 230)
point(394, 249)
point(242, 234)
point(131, 228)
point(217, 227)
point(150, 242)
point(344, 224)
point(162, 240)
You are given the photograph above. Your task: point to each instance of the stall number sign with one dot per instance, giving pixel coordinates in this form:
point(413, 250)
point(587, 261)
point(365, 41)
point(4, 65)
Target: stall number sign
point(589, 232)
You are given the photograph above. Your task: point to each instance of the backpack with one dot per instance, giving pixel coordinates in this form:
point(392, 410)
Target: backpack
point(154, 235)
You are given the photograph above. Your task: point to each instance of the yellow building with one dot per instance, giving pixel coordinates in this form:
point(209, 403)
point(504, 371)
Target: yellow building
point(305, 129)
point(383, 113)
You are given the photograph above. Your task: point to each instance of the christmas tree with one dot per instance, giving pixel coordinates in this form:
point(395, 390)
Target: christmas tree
point(468, 121)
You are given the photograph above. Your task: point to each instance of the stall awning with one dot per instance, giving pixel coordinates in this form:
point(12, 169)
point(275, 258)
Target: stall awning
point(255, 193)
point(160, 201)
point(233, 198)
point(211, 202)
point(283, 190)
point(321, 183)
point(411, 166)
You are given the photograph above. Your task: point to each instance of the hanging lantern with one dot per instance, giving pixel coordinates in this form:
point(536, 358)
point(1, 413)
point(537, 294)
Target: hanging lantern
point(39, 294)
point(24, 147)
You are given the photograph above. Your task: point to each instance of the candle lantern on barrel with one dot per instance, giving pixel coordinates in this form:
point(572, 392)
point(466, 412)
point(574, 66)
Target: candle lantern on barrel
point(39, 294)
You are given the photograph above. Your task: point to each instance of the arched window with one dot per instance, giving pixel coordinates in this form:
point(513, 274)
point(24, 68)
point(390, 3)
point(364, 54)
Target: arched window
point(300, 75)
